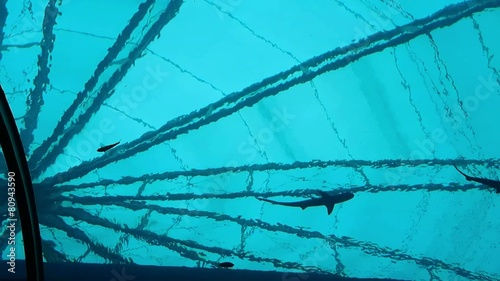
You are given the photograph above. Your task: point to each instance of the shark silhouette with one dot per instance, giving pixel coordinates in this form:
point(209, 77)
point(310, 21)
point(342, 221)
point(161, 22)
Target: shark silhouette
point(326, 200)
point(491, 183)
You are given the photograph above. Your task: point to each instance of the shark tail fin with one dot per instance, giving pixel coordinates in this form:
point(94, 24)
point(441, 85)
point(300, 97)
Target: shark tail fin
point(469, 178)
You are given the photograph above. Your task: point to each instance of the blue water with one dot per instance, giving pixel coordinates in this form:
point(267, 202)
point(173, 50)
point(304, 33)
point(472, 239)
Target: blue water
point(217, 102)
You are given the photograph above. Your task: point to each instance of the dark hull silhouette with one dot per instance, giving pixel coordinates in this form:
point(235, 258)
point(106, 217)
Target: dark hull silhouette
point(107, 147)
point(326, 200)
point(491, 183)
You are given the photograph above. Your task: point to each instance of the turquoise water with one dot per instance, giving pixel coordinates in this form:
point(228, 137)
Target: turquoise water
point(217, 102)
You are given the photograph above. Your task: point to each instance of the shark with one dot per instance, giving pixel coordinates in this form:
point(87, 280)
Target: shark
point(491, 183)
point(326, 200)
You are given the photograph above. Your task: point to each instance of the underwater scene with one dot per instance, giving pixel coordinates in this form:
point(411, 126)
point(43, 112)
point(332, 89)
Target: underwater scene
point(355, 139)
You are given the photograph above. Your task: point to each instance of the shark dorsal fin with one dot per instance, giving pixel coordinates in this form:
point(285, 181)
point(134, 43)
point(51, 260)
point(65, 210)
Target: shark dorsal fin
point(329, 208)
point(324, 194)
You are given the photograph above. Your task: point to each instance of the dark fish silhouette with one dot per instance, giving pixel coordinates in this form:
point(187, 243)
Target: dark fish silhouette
point(226, 264)
point(326, 200)
point(107, 147)
point(491, 183)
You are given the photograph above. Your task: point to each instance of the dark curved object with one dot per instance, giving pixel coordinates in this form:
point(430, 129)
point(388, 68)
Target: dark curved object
point(491, 183)
point(107, 147)
point(25, 199)
point(226, 264)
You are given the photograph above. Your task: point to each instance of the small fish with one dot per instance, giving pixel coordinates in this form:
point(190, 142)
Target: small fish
point(107, 147)
point(226, 264)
